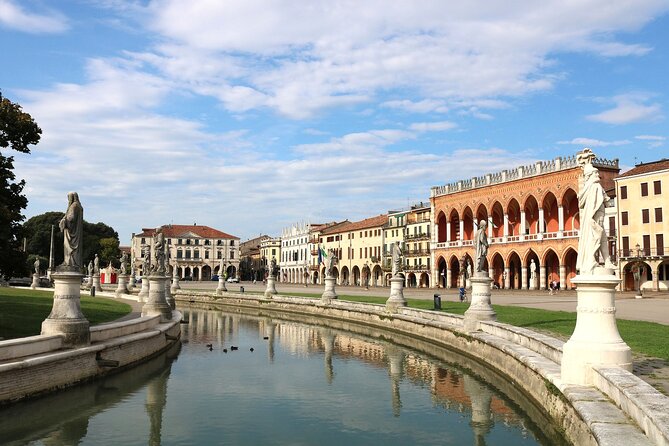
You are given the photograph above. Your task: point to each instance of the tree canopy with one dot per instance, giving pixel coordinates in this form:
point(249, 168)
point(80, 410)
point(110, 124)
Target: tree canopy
point(18, 131)
point(37, 230)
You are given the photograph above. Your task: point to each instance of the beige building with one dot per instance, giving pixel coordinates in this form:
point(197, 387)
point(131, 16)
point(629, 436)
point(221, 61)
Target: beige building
point(195, 251)
point(270, 248)
point(643, 226)
point(417, 265)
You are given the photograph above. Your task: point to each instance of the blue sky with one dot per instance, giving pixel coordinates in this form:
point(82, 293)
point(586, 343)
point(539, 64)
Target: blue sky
point(249, 116)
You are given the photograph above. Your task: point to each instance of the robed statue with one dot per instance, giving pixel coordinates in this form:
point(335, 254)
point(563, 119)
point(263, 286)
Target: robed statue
point(330, 261)
point(159, 252)
point(72, 226)
point(593, 249)
point(124, 263)
point(481, 245)
point(396, 252)
point(36, 265)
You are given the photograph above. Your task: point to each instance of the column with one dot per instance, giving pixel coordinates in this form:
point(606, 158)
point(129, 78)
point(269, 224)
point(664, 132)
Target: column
point(448, 231)
point(462, 230)
point(563, 277)
point(448, 278)
point(507, 279)
point(506, 226)
point(435, 233)
point(523, 277)
point(541, 225)
point(542, 277)
point(560, 220)
point(490, 227)
point(522, 225)
point(656, 278)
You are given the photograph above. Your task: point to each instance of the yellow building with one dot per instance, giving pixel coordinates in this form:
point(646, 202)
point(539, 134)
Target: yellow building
point(417, 246)
point(643, 222)
point(358, 246)
point(270, 248)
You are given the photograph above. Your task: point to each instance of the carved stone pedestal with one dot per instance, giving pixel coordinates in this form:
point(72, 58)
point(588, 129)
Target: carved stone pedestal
point(480, 308)
point(329, 292)
point(596, 340)
point(131, 284)
point(122, 287)
point(271, 288)
point(35, 283)
point(175, 285)
point(66, 317)
point(96, 282)
point(396, 298)
point(220, 289)
point(144, 291)
point(168, 294)
point(156, 303)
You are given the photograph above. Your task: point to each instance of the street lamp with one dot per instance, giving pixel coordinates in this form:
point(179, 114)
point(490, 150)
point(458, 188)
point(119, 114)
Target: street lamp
point(637, 272)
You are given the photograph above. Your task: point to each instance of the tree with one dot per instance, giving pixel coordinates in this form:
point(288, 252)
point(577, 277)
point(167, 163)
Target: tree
point(37, 230)
point(18, 130)
point(109, 250)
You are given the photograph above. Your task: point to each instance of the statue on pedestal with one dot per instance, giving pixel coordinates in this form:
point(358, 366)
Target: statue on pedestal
point(330, 261)
point(481, 241)
point(96, 265)
point(72, 226)
point(397, 258)
point(36, 265)
point(90, 268)
point(593, 249)
point(533, 271)
point(159, 252)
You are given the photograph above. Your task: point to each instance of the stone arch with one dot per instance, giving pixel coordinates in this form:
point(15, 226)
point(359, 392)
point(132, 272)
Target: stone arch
point(481, 214)
point(377, 274)
point(531, 209)
point(345, 276)
point(454, 263)
point(441, 272)
point(335, 274)
point(514, 264)
point(513, 213)
point(549, 204)
point(424, 280)
point(551, 262)
point(232, 271)
point(570, 210)
point(635, 275)
point(411, 281)
point(468, 223)
point(531, 283)
point(357, 279)
point(454, 220)
point(497, 213)
point(442, 224)
point(206, 272)
point(569, 262)
point(498, 269)
point(196, 273)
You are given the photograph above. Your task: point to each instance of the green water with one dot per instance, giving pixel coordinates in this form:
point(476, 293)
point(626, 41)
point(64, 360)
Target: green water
point(301, 385)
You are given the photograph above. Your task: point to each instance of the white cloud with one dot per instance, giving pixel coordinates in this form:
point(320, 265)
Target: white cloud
point(15, 17)
point(653, 140)
point(590, 142)
point(439, 126)
point(423, 106)
point(629, 108)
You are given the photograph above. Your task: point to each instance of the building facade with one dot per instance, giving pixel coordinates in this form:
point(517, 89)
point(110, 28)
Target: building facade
point(417, 251)
point(295, 253)
point(195, 251)
point(533, 223)
point(643, 226)
point(270, 248)
point(251, 266)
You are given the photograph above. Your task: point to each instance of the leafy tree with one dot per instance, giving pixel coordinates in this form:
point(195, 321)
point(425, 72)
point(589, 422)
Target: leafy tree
point(37, 230)
point(18, 130)
point(109, 250)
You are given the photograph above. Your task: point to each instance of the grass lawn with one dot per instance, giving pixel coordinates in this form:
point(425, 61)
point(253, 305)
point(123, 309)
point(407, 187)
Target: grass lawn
point(644, 338)
point(22, 311)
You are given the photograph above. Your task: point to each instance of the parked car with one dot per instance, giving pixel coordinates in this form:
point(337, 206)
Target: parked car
point(233, 279)
point(214, 278)
point(20, 281)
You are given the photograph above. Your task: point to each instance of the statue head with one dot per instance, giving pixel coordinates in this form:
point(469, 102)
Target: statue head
point(483, 224)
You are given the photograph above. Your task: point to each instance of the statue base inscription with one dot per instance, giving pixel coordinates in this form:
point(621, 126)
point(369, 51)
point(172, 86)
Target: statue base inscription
point(596, 340)
point(480, 308)
point(66, 318)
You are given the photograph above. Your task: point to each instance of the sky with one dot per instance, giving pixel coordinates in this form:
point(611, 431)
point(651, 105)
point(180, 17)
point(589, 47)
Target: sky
point(249, 116)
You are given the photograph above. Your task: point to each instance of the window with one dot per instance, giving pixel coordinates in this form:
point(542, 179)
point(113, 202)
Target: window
point(143, 241)
point(207, 242)
point(197, 253)
point(659, 244)
point(644, 189)
point(232, 243)
point(188, 253)
point(626, 246)
point(232, 255)
point(179, 242)
point(645, 216)
point(179, 254)
point(623, 192)
point(206, 254)
point(219, 255)
point(197, 241)
point(658, 215)
point(624, 219)
point(657, 187)
point(646, 245)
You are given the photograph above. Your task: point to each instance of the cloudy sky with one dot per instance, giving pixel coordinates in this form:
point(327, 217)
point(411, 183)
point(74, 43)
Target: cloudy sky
point(251, 115)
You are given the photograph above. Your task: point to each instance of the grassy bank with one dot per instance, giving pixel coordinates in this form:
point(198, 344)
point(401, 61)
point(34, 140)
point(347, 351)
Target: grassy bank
point(22, 311)
point(644, 338)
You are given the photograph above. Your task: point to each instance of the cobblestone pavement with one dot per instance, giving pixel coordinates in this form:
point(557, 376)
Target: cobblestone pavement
point(654, 307)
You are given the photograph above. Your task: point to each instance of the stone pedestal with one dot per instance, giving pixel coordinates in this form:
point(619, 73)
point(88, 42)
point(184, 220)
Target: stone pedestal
point(168, 294)
point(481, 398)
point(220, 289)
point(122, 287)
point(89, 283)
point(596, 340)
point(96, 282)
point(271, 288)
point(144, 291)
point(131, 283)
point(35, 283)
point(329, 292)
point(396, 298)
point(480, 308)
point(156, 303)
point(66, 317)
point(175, 285)
point(533, 282)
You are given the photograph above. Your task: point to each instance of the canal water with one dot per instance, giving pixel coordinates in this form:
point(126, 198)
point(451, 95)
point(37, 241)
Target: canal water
point(275, 379)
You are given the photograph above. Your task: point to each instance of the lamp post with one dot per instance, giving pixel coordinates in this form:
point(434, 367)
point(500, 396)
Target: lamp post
point(636, 271)
point(306, 274)
point(366, 275)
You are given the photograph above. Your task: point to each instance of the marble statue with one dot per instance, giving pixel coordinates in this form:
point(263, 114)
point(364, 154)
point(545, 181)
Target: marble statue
point(36, 265)
point(159, 252)
point(124, 263)
point(481, 241)
point(90, 268)
point(96, 265)
point(330, 261)
point(273, 268)
point(72, 226)
point(469, 268)
point(146, 260)
point(397, 258)
point(533, 271)
point(593, 247)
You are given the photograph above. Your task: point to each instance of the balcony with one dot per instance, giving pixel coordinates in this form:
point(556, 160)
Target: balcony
point(422, 236)
point(183, 260)
point(416, 268)
point(513, 239)
point(417, 252)
point(644, 253)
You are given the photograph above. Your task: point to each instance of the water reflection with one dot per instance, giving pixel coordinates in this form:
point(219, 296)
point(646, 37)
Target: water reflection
point(304, 382)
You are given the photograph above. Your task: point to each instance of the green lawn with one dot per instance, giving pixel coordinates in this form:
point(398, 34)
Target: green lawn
point(22, 311)
point(644, 338)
